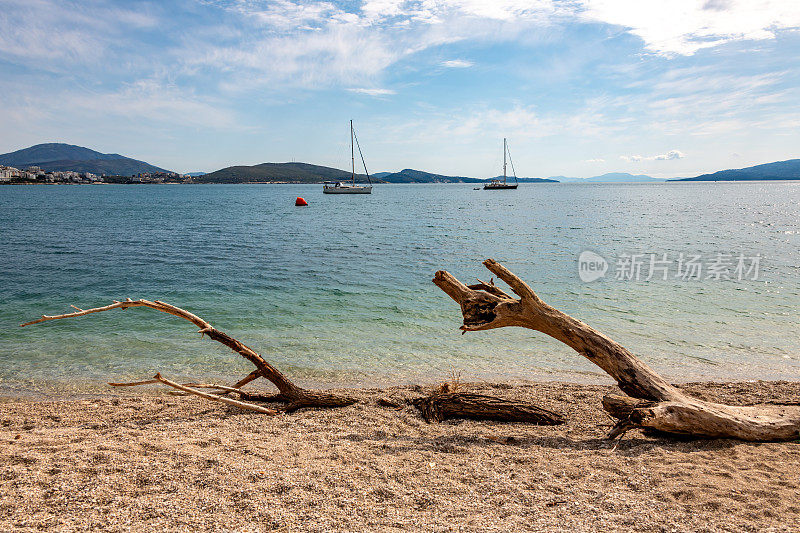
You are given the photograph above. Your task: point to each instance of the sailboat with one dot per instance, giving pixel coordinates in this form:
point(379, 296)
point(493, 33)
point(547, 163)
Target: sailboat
point(343, 187)
point(496, 183)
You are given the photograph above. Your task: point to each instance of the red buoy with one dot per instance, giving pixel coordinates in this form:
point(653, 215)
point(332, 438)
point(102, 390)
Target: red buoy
point(300, 201)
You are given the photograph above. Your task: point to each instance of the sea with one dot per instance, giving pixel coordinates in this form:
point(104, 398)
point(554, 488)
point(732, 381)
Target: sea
point(701, 280)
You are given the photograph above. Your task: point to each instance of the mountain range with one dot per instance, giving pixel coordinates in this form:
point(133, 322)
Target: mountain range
point(410, 175)
point(63, 157)
point(611, 177)
point(779, 170)
point(68, 157)
point(307, 173)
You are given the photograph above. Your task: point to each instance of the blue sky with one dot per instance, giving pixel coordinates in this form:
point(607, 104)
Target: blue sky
point(580, 88)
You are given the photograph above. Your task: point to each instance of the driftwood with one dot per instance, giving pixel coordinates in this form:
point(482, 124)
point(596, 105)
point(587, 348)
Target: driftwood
point(653, 402)
point(443, 405)
point(192, 390)
point(437, 407)
point(294, 396)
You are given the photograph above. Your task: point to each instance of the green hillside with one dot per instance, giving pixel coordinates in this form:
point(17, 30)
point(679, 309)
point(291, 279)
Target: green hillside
point(277, 172)
point(409, 175)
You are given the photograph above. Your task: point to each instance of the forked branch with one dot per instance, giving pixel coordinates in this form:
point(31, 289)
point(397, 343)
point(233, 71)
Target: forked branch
point(296, 397)
point(214, 397)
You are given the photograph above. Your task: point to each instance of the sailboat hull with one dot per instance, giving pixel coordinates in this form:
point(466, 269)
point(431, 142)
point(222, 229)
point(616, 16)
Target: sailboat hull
point(494, 186)
point(348, 189)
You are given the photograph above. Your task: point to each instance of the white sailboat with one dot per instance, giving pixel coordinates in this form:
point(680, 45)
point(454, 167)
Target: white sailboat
point(343, 187)
point(496, 183)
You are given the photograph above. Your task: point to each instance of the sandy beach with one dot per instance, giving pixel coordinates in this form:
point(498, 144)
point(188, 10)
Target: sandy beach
point(160, 462)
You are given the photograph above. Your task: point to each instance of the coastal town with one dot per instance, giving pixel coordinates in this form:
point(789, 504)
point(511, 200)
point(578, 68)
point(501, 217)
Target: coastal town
point(35, 174)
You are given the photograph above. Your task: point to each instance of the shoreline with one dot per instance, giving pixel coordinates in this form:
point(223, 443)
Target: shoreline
point(383, 183)
point(146, 460)
point(100, 389)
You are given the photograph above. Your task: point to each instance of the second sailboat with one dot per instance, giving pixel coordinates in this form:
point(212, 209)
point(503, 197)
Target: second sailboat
point(496, 183)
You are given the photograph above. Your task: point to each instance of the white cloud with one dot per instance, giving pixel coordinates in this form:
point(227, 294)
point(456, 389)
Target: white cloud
point(666, 26)
point(595, 160)
point(372, 92)
point(156, 104)
point(713, 99)
point(59, 34)
point(516, 123)
point(435, 11)
point(498, 9)
point(672, 154)
point(321, 43)
point(317, 44)
point(685, 26)
point(519, 123)
point(336, 54)
point(380, 9)
point(284, 14)
point(457, 63)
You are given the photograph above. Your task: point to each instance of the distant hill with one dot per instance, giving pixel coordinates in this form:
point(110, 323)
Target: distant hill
point(614, 177)
point(308, 173)
point(780, 170)
point(277, 172)
point(68, 157)
point(527, 180)
point(409, 175)
point(196, 174)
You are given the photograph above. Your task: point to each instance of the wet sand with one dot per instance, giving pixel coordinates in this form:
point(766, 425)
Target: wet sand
point(159, 462)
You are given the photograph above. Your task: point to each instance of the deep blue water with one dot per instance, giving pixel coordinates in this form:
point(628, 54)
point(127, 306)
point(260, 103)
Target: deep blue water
point(340, 292)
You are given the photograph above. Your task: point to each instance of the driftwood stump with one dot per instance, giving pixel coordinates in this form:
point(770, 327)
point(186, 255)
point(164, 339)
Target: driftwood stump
point(652, 403)
point(443, 405)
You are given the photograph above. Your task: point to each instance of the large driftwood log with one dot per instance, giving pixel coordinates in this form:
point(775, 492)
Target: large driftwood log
point(656, 404)
point(443, 405)
point(294, 396)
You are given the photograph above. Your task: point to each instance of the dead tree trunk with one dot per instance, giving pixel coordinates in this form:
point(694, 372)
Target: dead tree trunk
point(295, 397)
point(443, 405)
point(662, 407)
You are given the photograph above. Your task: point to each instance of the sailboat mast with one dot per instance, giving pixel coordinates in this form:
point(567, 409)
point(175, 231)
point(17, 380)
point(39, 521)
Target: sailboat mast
point(504, 159)
point(352, 153)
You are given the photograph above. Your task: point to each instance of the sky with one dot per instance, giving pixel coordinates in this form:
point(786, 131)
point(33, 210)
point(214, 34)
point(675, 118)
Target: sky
point(579, 87)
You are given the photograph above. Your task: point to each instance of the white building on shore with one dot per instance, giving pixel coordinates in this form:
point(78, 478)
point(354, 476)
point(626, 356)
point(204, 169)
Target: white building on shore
point(6, 173)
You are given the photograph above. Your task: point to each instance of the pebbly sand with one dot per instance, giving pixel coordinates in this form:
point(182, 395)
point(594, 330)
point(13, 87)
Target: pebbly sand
point(159, 462)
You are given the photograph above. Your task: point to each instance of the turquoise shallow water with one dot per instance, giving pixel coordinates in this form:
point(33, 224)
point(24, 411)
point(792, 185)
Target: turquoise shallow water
point(339, 293)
